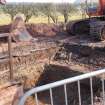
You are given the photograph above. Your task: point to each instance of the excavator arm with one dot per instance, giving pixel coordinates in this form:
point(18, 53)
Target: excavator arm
point(95, 10)
point(102, 7)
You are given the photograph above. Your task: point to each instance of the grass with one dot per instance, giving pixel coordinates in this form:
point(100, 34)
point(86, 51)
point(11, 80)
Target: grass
point(5, 19)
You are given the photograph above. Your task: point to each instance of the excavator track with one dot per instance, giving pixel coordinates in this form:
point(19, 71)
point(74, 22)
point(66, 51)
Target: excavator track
point(94, 28)
point(97, 29)
point(78, 27)
point(103, 33)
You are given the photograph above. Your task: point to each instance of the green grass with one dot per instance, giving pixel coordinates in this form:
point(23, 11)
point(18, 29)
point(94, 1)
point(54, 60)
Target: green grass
point(5, 19)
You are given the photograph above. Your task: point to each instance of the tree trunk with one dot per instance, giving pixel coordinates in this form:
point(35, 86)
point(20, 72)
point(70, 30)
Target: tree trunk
point(12, 18)
point(48, 19)
point(56, 20)
point(66, 17)
point(53, 19)
point(27, 18)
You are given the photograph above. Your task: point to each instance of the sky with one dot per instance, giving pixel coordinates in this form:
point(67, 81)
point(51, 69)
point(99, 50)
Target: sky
point(45, 1)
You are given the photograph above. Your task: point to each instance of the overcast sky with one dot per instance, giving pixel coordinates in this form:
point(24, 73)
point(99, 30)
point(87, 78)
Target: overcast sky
point(52, 1)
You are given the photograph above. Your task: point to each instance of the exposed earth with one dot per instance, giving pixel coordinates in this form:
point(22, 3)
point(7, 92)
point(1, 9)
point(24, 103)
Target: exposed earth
point(55, 56)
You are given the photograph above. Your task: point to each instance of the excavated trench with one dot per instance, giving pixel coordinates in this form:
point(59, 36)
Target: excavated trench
point(62, 67)
point(53, 73)
point(51, 60)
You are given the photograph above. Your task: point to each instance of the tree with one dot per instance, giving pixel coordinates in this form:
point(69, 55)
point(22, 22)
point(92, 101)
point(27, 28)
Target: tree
point(84, 8)
point(28, 10)
point(10, 9)
point(49, 10)
point(65, 9)
point(1, 10)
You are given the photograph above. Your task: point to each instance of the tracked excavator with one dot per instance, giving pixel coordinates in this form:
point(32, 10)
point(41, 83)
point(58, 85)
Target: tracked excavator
point(94, 25)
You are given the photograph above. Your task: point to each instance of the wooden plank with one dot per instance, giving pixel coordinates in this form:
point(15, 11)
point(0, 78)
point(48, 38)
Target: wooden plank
point(4, 61)
point(8, 84)
point(3, 72)
point(4, 35)
point(41, 49)
point(3, 56)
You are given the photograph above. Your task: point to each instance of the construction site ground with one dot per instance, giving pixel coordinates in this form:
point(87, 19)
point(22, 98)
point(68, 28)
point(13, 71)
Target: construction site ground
point(54, 58)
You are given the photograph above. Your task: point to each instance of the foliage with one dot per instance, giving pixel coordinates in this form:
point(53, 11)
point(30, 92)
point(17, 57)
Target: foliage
point(52, 11)
point(65, 9)
point(28, 10)
point(10, 9)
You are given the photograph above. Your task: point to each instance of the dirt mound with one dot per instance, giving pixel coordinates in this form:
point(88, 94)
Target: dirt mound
point(43, 29)
point(5, 28)
point(36, 29)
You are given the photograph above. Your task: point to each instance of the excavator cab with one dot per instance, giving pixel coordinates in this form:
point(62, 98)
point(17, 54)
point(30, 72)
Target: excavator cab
point(92, 8)
point(95, 8)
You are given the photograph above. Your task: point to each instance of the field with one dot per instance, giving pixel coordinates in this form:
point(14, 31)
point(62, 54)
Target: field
point(5, 19)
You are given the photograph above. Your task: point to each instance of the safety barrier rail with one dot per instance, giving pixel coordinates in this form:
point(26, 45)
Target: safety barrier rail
point(64, 83)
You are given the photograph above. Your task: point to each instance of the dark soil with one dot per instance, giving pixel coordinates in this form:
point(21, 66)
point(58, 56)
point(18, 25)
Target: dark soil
point(54, 73)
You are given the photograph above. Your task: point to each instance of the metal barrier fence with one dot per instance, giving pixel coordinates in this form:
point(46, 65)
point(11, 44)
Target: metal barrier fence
point(64, 82)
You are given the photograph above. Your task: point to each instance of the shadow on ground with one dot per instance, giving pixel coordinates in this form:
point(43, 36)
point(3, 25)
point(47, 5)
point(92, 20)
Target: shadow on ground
point(54, 73)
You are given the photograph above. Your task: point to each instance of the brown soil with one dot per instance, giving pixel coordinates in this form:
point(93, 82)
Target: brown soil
point(54, 58)
point(37, 29)
point(54, 73)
